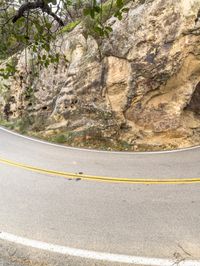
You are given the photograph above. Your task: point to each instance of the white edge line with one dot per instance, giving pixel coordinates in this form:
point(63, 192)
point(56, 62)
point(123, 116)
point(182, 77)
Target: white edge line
point(87, 254)
point(98, 151)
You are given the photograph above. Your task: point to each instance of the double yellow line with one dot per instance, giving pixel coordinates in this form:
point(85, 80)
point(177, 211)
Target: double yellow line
point(100, 178)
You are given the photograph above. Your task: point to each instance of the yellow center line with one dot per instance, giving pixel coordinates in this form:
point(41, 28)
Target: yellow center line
point(67, 175)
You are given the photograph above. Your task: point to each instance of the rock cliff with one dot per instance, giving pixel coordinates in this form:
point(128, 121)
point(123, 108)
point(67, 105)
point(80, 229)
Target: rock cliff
point(139, 89)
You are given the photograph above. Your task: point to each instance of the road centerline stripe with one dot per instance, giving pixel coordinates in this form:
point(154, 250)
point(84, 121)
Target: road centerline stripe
point(100, 178)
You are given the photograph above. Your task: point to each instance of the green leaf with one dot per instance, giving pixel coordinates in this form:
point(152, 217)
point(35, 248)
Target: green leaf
point(120, 3)
point(125, 10)
point(109, 29)
point(86, 11)
point(97, 9)
point(54, 2)
point(118, 15)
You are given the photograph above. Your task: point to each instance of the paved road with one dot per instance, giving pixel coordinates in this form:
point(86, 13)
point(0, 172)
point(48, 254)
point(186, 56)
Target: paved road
point(142, 220)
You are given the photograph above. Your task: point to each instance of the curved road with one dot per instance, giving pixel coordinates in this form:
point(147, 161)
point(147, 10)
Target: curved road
point(150, 221)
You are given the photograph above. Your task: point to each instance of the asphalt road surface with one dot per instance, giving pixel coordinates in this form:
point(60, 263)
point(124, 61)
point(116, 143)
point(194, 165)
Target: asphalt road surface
point(160, 221)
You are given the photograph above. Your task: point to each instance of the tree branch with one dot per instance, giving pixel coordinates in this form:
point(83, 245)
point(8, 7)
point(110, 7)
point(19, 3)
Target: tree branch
point(35, 5)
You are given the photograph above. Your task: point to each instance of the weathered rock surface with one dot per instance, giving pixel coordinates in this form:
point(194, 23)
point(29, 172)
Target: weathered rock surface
point(141, 86)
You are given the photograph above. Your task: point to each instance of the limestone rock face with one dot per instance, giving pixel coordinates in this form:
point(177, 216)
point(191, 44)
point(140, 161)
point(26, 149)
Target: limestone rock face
point(141, 85)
